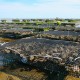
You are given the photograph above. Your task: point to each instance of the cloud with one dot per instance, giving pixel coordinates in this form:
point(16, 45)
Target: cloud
point(41, 9)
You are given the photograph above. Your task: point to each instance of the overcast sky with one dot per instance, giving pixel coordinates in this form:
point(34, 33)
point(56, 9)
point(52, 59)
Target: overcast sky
point(39, 8)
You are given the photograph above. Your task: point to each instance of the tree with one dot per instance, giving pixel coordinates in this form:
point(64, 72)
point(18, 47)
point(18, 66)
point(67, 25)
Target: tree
point(58, 23)
point(15, 20)
point(24, 20)
point(4, 21)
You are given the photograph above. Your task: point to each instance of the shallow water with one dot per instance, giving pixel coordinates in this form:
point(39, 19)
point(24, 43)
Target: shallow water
point(73, 33)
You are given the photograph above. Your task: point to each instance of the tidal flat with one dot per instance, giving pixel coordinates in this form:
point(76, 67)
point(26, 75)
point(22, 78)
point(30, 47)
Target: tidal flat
point(40, 59)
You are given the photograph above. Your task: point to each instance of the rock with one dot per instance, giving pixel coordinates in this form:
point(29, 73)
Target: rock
point(31, 58)
point(7, 51)
point(71, 78)
point(4, 76)
point(31, 47)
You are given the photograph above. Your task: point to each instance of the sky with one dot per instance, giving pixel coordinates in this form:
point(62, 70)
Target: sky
point(39, 8)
